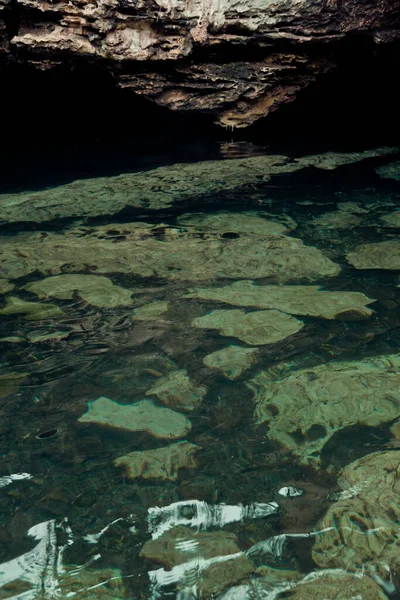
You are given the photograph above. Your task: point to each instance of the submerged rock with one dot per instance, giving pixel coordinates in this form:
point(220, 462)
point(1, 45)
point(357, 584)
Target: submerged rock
point(334, 584)
point(175, 256)
point(390, 171)
point(305, 409)
point(178, 391)
point(6, 286)
point(162, 463)
point(10, 383)
point(391, 220)
point(32, 311)
point(94, 289)
point(362, 525)
point(231, 361)
point(308, 300)
point(92, 584)
point(250, 223)
point(382, 255)
point(337, 220)
point(255, 328)
point(151, 311)
point(207, 562)
point(141, 416)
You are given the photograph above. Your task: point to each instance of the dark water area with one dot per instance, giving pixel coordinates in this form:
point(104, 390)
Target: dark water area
point(190, 358)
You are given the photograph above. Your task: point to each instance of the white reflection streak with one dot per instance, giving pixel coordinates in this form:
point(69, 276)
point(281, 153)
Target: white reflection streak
point(7, 479)
point(203, 515)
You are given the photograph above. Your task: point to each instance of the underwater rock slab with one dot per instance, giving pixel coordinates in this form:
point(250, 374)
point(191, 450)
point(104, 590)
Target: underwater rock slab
point(340, 219)
point(162, 463)
point(151, 311)
point(94, 289)
point(305, 409)
point(308, 300)
point(382, 255)
point(335, 584)
point(10, 383)
point(207, 562)
point(175, 256)
point(391, 220)
point(231, 361)
point(390, 171)
point(237, 222)
point(6, 286)
point(255, 328)
point(32, 311)
point(178, 391)
point(363, 521)
point(92, 584)
point(141, 416)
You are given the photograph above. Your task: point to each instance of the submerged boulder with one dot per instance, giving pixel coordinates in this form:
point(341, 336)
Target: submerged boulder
point(32, 311)
point(231, 361)
point(225, 222)
point(141, 416)
point(151, 311)
point(382, 255)
point(305, 409)
point(390, 171)
point(308, 300)
point(94, 289)
point(255, 328)
point(5, 286)
point(340, 219)
point(391, 220)
point(360, 529)
point(178, 391)
point(162, 463)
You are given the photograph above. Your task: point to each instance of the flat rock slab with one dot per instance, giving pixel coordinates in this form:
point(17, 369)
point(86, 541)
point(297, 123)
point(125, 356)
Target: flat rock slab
point(10, 383)
point(151, 311)
point(363, 520)
point(232, 361)
point(255, 328)
point(335, 584)
point(94, 289)
point(141, 416)
point(32, 311)
point(178, 391)
point(313, 404)
point(391, 220)
point(175, 256)
point(337, 220)
point(382, 255)
point(307, 300)
point(225, 222)
point(162, 463)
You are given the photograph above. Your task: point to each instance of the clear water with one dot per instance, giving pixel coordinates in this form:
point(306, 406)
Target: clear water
point(74, 521)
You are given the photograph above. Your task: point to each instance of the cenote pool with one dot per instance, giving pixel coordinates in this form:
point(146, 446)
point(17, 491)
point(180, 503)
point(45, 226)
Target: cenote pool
point(200, 380)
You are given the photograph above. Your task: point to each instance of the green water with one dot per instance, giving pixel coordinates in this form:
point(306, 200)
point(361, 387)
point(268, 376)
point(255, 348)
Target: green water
point(74, 523)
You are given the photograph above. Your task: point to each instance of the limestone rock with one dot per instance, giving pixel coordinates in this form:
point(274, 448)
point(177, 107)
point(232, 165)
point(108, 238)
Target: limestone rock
point(308, 300)
point(10, 383)
point(249, 223)
point(178, 391)
point(151, 311)
point(5, 286)
point(390, 171)
point(363, 522)
point(32, 311)
point(231, 361)
point(209, 561)
point(94, 289)
point(313, 404)
point(141, 416)
point(335, 584)
point(382, 255)
point(255, 328)
point(339, 219)
point(177, 256)
point(162, 463)
point(391, 220)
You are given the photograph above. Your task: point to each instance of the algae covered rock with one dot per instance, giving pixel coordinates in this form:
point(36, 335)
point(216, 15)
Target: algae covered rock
point(10, 383)
point(141, 416)
point(32, 311)
point(5, 286)
point(390, 171)
point(162, 463)
point(249, 223)
point(173, 255)
point(202, 561)
point(178, 391)
point(151, 311)
point(308, 300)
point(335, 584)
point(305, 409)
point(231, 361)
point(255, 328)
point(391, 220)
point(362, 524)
point(340, 219)
point(94, 289)
point(91, 584)
point(382, 255)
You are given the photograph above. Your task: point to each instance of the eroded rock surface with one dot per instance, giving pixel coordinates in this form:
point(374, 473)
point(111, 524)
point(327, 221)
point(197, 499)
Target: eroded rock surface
point(363, 523)
point(305, 409)
point(382, 255)
point(308, 300)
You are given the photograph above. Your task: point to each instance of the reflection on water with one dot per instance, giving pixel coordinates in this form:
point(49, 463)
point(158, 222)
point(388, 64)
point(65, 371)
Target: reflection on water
point(199, 381)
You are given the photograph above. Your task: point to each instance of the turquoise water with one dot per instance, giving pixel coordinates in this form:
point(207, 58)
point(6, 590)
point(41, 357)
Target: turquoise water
point(73, 523)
